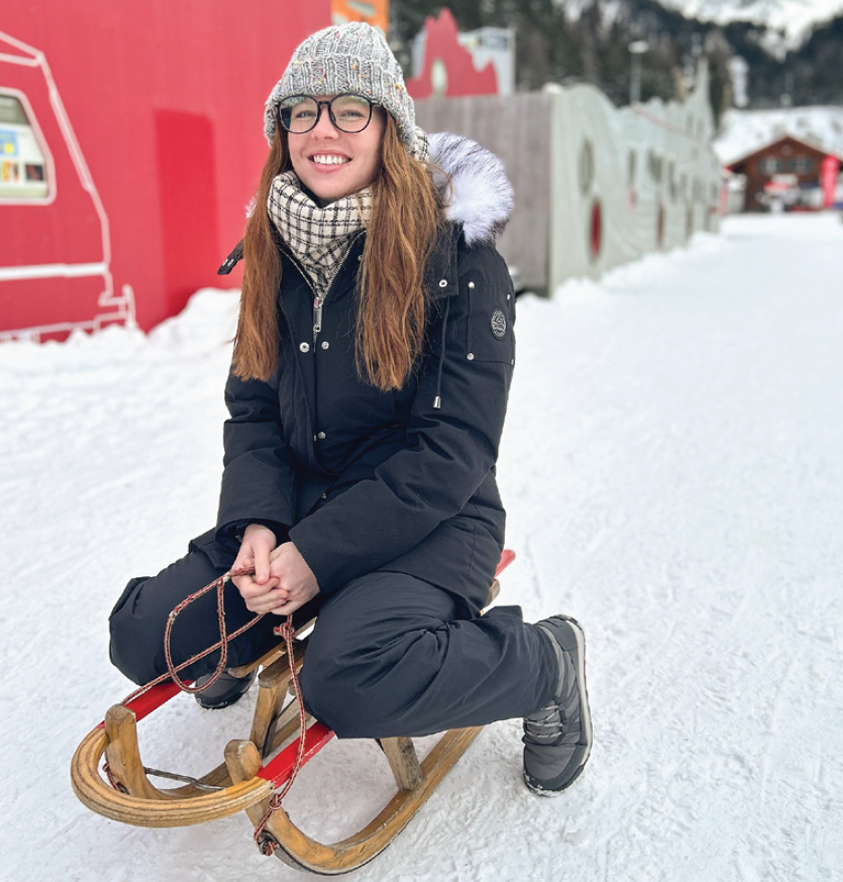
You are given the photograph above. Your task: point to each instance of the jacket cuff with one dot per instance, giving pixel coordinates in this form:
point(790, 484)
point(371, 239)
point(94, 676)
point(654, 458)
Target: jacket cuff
point(234, 530)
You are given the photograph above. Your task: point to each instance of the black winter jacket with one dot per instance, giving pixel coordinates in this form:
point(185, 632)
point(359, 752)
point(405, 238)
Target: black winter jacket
point(363, 480)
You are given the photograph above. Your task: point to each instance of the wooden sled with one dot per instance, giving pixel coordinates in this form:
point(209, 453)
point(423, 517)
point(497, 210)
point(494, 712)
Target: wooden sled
point(254, 769)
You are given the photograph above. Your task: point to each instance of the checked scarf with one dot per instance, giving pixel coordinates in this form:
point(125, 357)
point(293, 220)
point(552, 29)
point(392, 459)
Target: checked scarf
point(319, 237)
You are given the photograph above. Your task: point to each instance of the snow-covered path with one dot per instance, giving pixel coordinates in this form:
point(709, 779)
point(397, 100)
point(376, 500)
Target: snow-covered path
point(673, 471)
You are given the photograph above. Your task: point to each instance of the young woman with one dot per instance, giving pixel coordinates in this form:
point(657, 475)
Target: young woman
point(367, 394)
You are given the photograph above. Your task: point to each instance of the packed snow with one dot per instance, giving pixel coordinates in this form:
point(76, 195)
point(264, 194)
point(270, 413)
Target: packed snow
point(672, 468)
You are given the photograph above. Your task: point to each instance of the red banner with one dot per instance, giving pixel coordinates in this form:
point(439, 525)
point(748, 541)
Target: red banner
point(828, 179)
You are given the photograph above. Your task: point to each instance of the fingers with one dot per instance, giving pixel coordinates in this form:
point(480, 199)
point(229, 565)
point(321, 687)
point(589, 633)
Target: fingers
point(255, 550)
point(262, 551)
point(287, 608)
point(282, 581)
point(270, 604)
point(249, 585)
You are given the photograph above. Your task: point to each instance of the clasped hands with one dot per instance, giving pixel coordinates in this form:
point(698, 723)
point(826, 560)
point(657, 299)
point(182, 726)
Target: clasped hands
point(282, 581)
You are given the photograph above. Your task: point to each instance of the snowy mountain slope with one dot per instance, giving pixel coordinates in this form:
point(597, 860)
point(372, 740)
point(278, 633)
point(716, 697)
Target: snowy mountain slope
point(794, 17)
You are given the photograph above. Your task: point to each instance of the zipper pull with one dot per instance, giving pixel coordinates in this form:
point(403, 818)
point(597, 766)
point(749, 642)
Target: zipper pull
point(317, 320)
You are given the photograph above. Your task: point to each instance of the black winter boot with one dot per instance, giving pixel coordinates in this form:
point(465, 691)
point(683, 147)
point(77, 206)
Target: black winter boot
point(227, 690)
point(557, 738)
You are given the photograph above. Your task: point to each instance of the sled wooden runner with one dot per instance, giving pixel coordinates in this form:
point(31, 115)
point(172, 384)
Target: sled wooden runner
point(255, 769)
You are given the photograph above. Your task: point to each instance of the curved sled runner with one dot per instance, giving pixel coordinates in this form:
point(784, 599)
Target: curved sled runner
point(255, 770)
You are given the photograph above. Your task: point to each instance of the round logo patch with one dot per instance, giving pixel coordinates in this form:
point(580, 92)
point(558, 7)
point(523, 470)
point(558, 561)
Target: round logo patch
point(499, 324)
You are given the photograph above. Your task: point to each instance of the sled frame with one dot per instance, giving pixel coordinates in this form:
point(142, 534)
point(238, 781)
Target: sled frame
point(254, 768)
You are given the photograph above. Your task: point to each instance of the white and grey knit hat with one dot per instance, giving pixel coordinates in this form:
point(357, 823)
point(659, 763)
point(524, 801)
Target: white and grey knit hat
point(354, 58)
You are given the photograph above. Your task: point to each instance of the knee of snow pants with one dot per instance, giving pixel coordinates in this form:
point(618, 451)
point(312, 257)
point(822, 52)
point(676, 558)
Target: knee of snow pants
point(390, 655)
point(138, 620)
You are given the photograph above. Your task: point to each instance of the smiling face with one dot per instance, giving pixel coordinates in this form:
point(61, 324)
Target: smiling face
point(333, 164)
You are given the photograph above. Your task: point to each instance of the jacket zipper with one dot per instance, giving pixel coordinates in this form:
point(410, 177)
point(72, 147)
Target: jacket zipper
point(319, 299)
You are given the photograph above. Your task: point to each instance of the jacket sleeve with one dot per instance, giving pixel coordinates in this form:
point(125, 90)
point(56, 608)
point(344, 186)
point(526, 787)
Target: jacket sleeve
point(258, 470)
point(450, 449)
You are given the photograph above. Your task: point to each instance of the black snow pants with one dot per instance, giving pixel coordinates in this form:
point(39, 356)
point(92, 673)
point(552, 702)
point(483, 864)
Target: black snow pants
point(389, 654)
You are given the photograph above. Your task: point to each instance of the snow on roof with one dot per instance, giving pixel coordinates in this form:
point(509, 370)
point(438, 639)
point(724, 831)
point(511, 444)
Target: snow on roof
point(791, 20)
point(745, 131)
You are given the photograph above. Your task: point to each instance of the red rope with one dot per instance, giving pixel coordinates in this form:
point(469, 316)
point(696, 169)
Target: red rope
point(221, 644)
point(266, 843)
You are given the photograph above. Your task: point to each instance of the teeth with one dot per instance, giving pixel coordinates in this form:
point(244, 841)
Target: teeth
point(329, 160)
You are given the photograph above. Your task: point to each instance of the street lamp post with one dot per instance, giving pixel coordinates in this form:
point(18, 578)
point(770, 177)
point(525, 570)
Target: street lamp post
point(636, 50)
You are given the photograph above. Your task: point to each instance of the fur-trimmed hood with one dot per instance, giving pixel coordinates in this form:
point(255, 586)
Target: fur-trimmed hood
point(481, 197)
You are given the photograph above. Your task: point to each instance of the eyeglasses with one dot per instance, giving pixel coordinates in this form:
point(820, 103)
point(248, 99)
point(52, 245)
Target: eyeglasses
point(349, 113)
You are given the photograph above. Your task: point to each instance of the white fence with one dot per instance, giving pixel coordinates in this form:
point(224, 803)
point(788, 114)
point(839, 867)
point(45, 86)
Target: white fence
point(595, 186)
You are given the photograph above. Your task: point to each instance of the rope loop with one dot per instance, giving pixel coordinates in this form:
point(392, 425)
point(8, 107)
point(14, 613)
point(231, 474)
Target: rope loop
point(173, 670)
point(266, 843)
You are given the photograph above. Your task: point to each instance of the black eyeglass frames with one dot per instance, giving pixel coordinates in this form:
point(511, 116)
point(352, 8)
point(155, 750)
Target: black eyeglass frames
point(348, 112)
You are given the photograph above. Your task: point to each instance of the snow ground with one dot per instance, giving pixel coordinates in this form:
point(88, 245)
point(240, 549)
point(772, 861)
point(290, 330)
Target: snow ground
point(672, 469)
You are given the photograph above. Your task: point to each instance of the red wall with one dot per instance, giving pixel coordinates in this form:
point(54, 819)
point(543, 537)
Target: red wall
point(165, 98)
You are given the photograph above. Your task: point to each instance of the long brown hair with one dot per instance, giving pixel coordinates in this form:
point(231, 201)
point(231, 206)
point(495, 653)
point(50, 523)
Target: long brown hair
point(406, 213)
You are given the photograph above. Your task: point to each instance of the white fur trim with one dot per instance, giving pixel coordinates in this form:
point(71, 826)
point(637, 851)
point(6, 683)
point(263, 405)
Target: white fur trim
point(481, 195)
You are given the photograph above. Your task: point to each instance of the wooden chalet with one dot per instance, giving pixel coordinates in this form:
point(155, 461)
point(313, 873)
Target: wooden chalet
point(786, 173)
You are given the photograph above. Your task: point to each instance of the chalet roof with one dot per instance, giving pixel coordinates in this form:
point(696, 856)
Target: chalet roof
point(810, 143)
point(745, 132)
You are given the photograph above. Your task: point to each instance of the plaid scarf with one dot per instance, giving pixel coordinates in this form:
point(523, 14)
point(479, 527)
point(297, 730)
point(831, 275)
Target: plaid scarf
point(319, 237)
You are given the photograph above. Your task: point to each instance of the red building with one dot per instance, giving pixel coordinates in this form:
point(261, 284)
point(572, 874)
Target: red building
point(131, 142)
point(788, 173)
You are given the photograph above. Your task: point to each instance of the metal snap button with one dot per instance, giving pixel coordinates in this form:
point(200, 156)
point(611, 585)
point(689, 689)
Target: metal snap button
point(443, 283)
point(304, 347)
point(470, 356)
point(321, 436)
point(326, 344)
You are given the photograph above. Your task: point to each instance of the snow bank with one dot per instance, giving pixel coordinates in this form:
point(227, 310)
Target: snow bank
point(673, 476)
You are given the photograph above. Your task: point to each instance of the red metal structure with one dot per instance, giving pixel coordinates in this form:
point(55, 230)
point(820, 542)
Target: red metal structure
point(130, 145)
point(448, 67)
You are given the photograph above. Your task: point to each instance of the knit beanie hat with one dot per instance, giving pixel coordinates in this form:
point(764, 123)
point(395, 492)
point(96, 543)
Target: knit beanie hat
point(353, 57)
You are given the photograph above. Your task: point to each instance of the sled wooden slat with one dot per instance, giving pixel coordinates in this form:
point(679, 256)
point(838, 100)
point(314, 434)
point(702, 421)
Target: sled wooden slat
point(287, 724)
point(403, 761)
point(273, 684)
point(270, 700)
point(123, 755)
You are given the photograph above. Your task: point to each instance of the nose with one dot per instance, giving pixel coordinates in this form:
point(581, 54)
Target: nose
point(324, 128)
